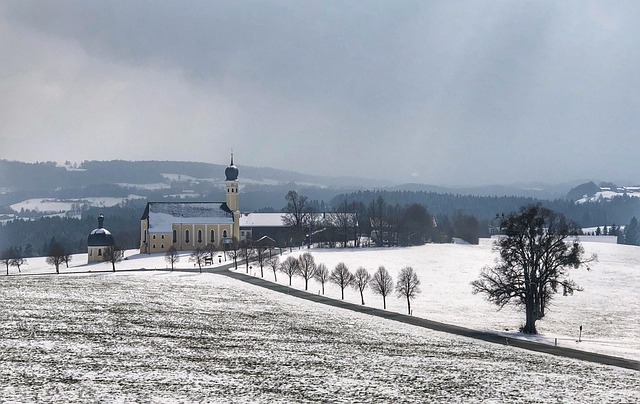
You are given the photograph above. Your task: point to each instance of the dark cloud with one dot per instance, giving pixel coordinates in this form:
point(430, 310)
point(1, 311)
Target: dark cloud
point(438, 92)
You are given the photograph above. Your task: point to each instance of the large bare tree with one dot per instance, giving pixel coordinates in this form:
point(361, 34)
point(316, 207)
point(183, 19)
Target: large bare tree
point(361, 280)
point(408, 285)
point(306, 268)
point(247, 252)
point(535, 255)
point(342, 277)
point(382, 284)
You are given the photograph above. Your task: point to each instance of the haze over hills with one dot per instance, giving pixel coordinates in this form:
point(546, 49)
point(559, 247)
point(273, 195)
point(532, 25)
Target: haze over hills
point(153, 179)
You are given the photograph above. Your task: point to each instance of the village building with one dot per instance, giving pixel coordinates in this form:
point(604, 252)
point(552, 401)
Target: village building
point(99, 241)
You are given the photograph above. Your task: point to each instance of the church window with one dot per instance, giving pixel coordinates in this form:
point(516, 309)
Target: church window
point(186, 236)
point(153, 246)
point(224, 234)
point(213, 237)
point(162, 246)
point(199, 236)
point(99, 251)
point(154, 236)
point(145, 236)
point(175, 236)
point(162, 237)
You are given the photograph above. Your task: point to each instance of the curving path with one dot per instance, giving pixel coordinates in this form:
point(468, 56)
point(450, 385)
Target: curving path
point(435, 325)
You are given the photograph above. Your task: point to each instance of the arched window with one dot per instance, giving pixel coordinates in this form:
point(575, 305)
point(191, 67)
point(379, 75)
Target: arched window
point(199, 235)
point(144, 240)
point(99, 251)
point(175, 236)
point(213, 237)
point(224, 234)
point(186, 236)
point(162, 246)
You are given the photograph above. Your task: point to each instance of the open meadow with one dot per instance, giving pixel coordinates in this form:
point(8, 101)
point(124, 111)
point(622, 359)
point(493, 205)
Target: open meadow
point(93, 335)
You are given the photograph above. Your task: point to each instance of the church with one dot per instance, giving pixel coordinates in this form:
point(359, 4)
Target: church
point(191, 225)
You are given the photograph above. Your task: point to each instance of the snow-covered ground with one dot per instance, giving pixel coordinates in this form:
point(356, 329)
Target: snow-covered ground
point(157, 336)
point(607, 309)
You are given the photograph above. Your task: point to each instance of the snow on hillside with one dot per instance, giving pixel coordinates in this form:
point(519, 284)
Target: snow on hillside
point(608, 193)
point(157, 336)
point(45, 205)
point(607, 308)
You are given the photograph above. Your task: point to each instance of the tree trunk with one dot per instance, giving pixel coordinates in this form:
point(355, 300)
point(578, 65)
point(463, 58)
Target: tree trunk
point(113, 264)
point(275, 277)
point(530, 310)
point(290, 280)
point(342, 293)
point(362, 297)
point(409, 304)
point(384, 302)
point(306, 283)
point(323, 288)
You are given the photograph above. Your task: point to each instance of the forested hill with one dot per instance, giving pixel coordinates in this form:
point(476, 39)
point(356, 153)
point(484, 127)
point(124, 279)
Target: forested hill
point(618, 210)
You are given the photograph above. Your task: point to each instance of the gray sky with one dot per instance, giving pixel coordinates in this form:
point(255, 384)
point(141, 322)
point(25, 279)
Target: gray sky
point(439, 92)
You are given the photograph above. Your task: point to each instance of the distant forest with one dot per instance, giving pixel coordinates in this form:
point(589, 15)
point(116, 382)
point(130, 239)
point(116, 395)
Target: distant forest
point(264, 190)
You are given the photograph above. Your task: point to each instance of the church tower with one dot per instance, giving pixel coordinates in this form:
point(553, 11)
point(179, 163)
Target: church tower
point(231, 182)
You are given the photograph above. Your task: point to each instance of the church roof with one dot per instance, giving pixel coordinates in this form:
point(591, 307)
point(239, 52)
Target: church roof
point(162, 215)
point(100, 237)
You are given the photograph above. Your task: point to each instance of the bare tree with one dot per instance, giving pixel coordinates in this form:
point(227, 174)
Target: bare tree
point(382, 284)
point(211, 250)
point(407, 285)
point(18, 258)
point(247, 252)
point(7, 257)
point(172, 256)
point(56, 255)
point(261, 255)
point(234, 248)
point(274, 263)
point(198, 255)
point(18, 262)
point(322, 275)
point(341, 277)
point(114, 254)
point(296, 213)
point(67, 258)
point(290, 267)
point(361, 281)
point(307, 268)
point(534, 260)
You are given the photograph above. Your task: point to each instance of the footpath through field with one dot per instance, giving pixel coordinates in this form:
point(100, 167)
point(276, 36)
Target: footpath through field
point(435, 325)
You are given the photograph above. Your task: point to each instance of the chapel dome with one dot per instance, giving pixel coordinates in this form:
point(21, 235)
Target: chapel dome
point(231, 172)
point(100, 237)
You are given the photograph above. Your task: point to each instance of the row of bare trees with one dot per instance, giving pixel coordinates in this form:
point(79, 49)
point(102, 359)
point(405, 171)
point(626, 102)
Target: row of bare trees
point(381, 282)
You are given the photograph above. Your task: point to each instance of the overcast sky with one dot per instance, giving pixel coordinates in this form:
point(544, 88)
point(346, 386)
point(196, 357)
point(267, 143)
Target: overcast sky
point(438, 92)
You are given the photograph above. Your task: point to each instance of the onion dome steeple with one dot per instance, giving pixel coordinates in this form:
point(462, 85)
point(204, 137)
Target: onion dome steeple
point(231, 172)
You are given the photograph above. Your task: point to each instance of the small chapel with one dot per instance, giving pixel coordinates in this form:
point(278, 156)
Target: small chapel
point(191, 225)
point(98, 241)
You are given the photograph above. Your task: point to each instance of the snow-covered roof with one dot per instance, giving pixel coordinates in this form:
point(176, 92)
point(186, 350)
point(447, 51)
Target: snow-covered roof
point(262, 220)
point(162, 215)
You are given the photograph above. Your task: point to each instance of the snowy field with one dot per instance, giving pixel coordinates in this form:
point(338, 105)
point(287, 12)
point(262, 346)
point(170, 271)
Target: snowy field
point(63, 205)
point(607, 309)
point(156, 336)
point(161, 336)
